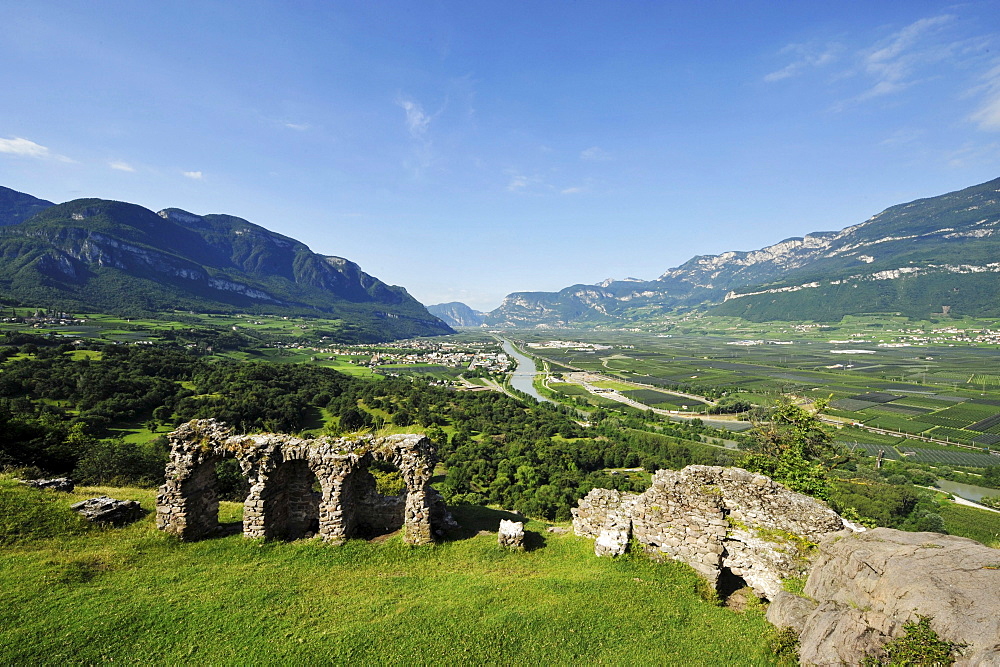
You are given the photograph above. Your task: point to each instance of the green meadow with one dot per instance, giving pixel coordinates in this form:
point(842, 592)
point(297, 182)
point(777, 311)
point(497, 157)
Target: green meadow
point(73, 594)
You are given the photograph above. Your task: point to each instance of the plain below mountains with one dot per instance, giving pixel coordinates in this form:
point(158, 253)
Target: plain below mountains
point(107, 256)
point(935, 256)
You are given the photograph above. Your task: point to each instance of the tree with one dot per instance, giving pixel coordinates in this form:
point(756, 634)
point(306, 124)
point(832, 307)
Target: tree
point(795, 449)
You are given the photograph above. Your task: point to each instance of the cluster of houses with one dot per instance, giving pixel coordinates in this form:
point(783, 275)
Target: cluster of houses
point(40, 319)
point(568, 345)
point(947, 335)
point(471, 356)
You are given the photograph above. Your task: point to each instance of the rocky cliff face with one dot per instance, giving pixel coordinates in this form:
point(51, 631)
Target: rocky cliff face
point(913, 258)
point(865, 586)
point(457, 314)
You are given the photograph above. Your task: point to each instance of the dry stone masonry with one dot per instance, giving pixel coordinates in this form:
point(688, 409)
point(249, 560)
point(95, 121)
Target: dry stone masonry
point(282, 470)
point(723, 522)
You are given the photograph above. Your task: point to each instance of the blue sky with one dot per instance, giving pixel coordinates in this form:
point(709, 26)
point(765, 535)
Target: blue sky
point(466, 150)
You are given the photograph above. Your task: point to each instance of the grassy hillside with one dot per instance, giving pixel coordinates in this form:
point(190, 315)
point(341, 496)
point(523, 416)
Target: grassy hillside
point(136, 595)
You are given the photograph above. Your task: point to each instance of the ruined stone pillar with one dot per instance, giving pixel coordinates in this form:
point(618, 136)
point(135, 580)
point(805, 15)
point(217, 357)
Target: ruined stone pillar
point(188, 506)
point(254, 523)
point(417, 513)
point(335, 517)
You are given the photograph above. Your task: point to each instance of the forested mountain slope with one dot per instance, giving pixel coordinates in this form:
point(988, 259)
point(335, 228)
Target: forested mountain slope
point(93, 254)
point(17, 206)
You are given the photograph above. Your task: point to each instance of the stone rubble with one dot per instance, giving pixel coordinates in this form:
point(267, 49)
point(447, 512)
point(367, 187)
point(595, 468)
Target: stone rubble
point(104, 509)
point(511, 534)
point(714, 519)
point(611, 542)
point(64, 484)
point(282, 469)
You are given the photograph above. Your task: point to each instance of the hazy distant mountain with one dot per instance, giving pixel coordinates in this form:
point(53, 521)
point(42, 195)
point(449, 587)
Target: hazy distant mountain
point(17, 207)
point(913, 258)
point(97, 255)
point(457, 314)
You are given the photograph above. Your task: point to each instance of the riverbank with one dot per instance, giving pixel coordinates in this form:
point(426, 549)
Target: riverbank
point(523, 377)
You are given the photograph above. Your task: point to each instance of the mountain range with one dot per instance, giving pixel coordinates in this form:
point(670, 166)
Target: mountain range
point(457, 314)
point(109, 256)
point(939, 255)
point(934, 256)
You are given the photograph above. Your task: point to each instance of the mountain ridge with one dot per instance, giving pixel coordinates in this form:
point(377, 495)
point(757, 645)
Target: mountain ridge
point(457, 314)
point(908, 258)
point(117, 257)
point(16, 207)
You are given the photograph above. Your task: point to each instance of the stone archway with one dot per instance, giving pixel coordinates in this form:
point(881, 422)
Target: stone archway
point(187, 504)
point(281, 470)
point(289, 508)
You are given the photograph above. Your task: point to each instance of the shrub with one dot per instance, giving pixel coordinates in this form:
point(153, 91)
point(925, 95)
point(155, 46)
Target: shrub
point(117, 463)
point(920, 646)
point(785, 644)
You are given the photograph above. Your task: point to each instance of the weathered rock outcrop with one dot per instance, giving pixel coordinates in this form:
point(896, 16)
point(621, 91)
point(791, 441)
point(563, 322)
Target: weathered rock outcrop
point(717, 520)
point(864, 587)
point(64, 484)
point(104, 509)
point(282, 469)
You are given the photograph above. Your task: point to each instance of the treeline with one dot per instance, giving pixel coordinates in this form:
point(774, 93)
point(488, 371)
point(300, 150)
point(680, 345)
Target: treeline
point(58, 402)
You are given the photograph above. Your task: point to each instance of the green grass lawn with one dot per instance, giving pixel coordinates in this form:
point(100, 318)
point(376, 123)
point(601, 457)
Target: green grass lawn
point(136, 595)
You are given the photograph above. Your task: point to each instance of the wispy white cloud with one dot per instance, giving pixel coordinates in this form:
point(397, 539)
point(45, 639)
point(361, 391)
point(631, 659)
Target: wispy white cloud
point(417, 121)
point(27, 148)
point(517, 181)
point(418, 125)
point(571, 191)
point(974, 154)
point(987, 116)
point(194, 175)
point(118, 165)
point(895, 61)
point(902, 137)
point(594, 154)
point(299, 127)
point(926, 49)
point(805, 57)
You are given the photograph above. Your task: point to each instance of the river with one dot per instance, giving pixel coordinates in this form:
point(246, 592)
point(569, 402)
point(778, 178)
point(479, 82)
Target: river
point(523, 377)
point(967, 491)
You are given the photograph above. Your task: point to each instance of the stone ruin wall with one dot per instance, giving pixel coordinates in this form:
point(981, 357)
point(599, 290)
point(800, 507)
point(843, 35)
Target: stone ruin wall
point(281, 470)
point(716, 520)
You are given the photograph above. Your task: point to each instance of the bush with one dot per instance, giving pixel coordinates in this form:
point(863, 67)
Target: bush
point(232, 485)
point(115, 463)
point(991, 501)
point(388, 483)
point(919, 646)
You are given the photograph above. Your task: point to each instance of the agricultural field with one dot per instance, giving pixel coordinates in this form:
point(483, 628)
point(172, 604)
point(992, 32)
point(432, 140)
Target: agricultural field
point(266, 328)
point(921, 379)
point(663, 400)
